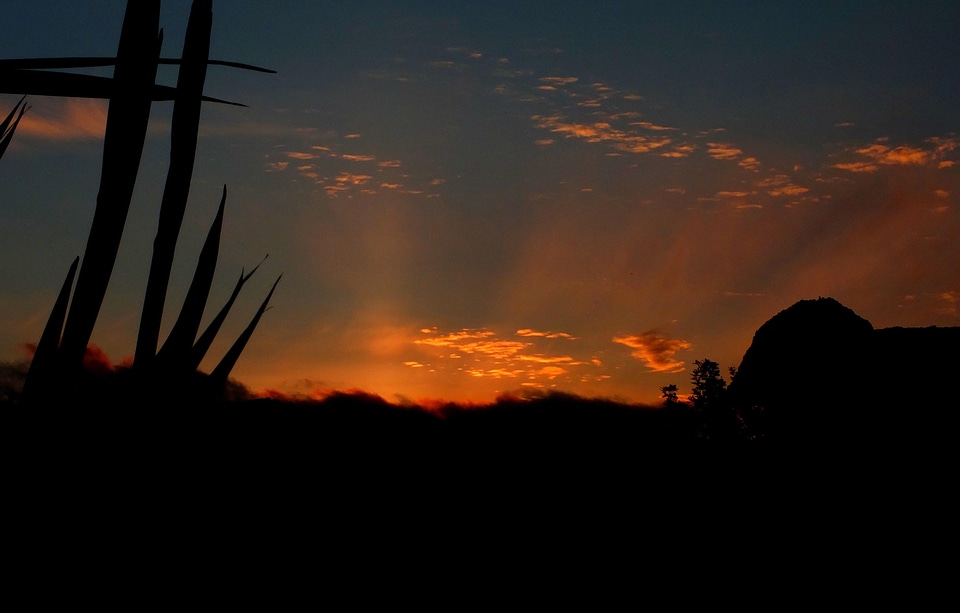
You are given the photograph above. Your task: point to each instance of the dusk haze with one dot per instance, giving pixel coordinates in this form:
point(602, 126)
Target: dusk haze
point(468, 200)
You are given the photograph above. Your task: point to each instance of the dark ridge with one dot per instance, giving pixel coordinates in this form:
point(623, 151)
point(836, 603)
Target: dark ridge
point(819, 372)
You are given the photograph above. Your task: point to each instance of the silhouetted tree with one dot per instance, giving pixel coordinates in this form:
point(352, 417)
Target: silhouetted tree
point(709, 397)
point(670, 396)
point(708, 384)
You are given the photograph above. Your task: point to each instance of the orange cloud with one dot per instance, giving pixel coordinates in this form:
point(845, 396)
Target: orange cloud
point(301, 156)
point(496, 358)
point(857, 167)
point(723, 151)
point(559, 80)
point(650, 126)
point(788, 190)
point(896, 156)
point(358, 158)
point(600, 132)
point(679, 151)
point(655, 350)
point(476, 341)
point(347, 177)
point(881, 153)
point(68, 119)
point(529, 332)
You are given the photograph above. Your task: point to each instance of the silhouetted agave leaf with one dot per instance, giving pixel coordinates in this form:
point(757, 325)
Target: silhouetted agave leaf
point(6, 122)
point(68, 84)
point(127, 119)
point(222, 371)
point(183, 150)
point(66, 63)
point(43, 366)
point(202, 345)
point(5, 134)
point(176, 350)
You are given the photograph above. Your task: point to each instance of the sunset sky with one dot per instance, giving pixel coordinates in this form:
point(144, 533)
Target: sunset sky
point(472, 198)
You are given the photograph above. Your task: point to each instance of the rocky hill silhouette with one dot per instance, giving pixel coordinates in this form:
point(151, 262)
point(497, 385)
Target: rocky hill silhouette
point(818, 371)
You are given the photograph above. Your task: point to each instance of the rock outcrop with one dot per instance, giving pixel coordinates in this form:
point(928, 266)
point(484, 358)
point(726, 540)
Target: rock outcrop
point(819, 371)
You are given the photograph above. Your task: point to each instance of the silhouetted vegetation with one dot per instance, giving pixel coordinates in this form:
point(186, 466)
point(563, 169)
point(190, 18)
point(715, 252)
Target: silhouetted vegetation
point(815, 373)
point(56, 372)
point(9, 125)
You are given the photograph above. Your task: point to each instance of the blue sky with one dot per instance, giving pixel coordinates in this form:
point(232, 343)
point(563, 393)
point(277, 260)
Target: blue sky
point(473, 198)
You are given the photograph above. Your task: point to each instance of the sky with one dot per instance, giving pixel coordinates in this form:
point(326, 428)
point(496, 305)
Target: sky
point(467, 199)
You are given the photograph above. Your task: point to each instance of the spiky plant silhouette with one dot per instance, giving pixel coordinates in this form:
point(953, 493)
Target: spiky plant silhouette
point(58, 360)
point(9, 125)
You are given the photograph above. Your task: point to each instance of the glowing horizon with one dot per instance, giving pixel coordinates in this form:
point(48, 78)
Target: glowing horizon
point(464, 204)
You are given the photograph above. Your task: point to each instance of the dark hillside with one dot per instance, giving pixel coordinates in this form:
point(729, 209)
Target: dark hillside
point(819, 371)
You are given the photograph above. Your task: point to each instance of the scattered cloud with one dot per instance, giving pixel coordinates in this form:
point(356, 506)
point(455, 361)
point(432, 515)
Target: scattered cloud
point(895, 156)
point(781, 185)
point(949, 303)
point(882, 154)
point(483, 342)
point(298, 155)
point(353, 179)
point(679, 151)
point(558, 80)
point(601, 132)
point(483, 353)
point(655, 350)
point(528, 332)
point(358, 158)
point(646, 125)
point(723, 151)
point(857, 167)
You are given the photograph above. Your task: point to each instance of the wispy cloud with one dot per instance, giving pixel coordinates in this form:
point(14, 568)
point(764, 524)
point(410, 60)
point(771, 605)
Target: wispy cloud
point(482, 353)
point(558, 80)
point(723, 151)
point(601, 132)
point(655, 350)
point(879, 153)
point(299, 155)
point(483, 342)
point(781, 185)
point(532, 333)
point(646, 125)
point(857, 167)
point(66, 119)
point(895, 156)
